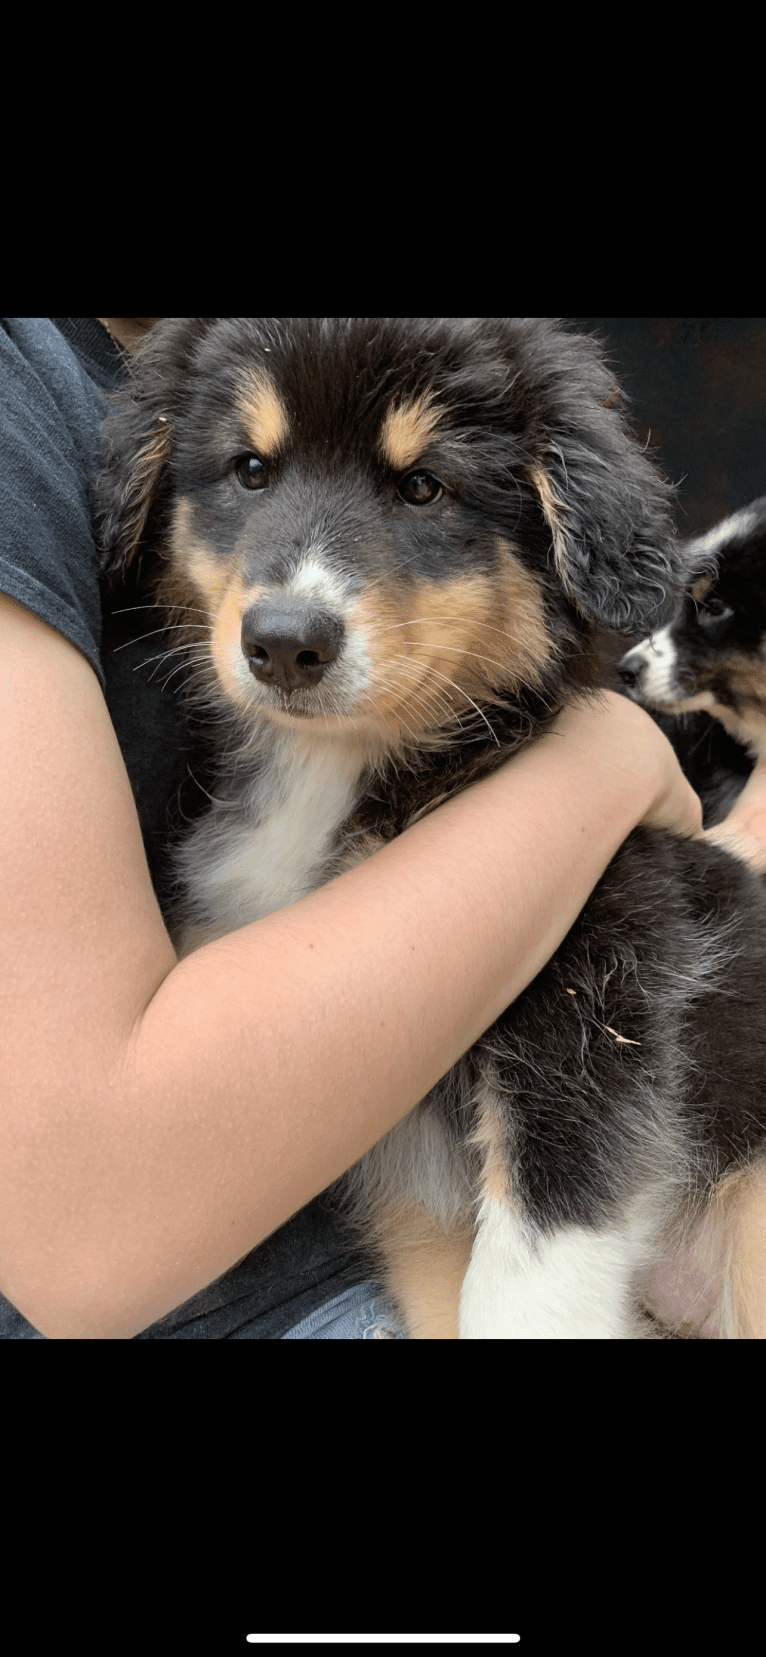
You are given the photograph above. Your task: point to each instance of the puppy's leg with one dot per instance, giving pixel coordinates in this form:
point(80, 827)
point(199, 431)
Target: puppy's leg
point(424, 1267)
point(575, 1285)
point(710, 1282)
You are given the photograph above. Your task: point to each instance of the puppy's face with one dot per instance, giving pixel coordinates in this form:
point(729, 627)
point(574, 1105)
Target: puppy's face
point(339, 519)
point(383, 523)
point(713, 655)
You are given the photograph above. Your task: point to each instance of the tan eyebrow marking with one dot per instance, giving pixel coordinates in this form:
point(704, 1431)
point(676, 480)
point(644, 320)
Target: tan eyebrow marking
point(407, 429)
point(264, 414)
point(701, 586)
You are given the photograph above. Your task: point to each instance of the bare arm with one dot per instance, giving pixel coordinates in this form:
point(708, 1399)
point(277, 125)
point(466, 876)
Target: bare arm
point(159, 1118)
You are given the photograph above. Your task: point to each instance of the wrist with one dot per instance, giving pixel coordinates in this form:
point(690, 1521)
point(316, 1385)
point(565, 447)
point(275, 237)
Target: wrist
point(613, 757)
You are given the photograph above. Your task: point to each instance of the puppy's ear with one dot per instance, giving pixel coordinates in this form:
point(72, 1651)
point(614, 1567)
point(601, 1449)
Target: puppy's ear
point(131, 491)
point(136, 446)
point(613, 540)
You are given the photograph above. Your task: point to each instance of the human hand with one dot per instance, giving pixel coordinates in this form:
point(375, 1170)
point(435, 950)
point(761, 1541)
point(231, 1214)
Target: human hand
point(743, 832)
point(617, 732)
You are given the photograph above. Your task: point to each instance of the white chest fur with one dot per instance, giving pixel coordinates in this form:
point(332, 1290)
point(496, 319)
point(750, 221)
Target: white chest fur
point(272, 845)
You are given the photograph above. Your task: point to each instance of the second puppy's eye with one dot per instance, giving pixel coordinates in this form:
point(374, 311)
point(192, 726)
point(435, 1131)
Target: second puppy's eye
point(712, 611)
point(252, 473)
point(420, 489)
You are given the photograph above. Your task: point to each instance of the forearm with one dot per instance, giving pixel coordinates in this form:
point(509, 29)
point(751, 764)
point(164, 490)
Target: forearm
point(268, 1062)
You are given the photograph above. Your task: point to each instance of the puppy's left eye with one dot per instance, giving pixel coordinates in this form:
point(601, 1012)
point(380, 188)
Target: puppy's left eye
point(420, 489)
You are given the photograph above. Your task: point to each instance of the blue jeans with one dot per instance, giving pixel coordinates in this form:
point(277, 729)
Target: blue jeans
point(358, 1314)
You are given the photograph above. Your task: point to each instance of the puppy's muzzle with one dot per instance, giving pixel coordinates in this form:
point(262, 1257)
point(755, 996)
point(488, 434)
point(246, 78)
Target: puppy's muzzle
point(290, 646)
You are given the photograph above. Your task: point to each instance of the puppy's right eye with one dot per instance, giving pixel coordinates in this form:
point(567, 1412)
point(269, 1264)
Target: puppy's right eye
point(252, 473)
point(420, 489)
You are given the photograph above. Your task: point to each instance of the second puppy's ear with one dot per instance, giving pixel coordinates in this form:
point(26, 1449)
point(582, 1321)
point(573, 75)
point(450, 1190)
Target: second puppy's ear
point(613, 540)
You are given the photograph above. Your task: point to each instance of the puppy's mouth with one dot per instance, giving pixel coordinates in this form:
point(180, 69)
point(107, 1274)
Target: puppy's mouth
point(299, 704)
point(288, 704)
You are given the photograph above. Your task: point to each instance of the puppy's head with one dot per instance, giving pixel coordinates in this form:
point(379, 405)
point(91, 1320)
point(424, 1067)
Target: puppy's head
point(712, 655)
point(384, 523)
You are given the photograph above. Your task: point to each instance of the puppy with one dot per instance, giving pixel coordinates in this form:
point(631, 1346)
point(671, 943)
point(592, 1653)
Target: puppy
point(387, 544)
point(709, 663)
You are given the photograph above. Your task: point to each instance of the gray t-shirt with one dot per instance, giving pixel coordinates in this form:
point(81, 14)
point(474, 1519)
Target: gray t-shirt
point(54, 373)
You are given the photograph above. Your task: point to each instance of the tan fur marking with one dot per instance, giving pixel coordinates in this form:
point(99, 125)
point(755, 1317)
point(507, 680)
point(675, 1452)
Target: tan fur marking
point(195, 561)
point(264, 414)
point(552, 508)
point(487, 1136)
point(437, 649)
point(222, 590)
point(227, 633)
point(524, 619)
point(701, 586)
point(407, 429)
point(424, 1267)
point(746, 675)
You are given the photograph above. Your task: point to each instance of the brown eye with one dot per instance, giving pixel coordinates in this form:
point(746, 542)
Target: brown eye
point(252, 473)
point(420, 489)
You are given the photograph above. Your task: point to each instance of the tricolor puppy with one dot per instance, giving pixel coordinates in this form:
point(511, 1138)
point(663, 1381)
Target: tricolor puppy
point(384, 545)
point(712, 656)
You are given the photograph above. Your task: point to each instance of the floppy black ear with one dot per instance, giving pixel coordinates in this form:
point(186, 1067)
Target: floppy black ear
point(606, 504)
point(128, 485)
point(131, 491)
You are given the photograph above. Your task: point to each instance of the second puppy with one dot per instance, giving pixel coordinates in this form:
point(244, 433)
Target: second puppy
point(709, 663)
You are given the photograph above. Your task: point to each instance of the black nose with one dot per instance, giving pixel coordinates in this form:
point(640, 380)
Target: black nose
point(290, 645)
point(631, 670)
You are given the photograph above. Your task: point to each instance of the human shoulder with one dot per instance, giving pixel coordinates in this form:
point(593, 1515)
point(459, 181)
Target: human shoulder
point(53, 377)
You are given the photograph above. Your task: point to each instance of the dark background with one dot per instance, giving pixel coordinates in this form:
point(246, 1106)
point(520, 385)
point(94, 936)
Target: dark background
point(697, 389)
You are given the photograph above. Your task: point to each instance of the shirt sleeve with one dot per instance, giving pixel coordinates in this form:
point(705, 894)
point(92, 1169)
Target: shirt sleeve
point(50, 415)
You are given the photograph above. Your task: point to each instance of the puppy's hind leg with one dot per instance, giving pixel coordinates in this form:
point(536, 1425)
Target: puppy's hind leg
point(424, 1266)
point(573, 1285)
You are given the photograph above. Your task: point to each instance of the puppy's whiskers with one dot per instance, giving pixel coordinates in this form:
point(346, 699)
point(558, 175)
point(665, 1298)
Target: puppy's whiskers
point(179, 667)
point(441, 699)
point(461, 692)
point(164, 655)
point(424, 621)
point(172, 627)
point(425, 644)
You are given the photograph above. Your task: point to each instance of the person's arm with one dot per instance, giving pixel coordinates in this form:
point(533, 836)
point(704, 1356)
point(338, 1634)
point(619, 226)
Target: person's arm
point(159, 1119)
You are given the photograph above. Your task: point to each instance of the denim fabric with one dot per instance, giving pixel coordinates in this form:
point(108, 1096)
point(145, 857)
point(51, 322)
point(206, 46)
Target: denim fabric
point(358, 1314)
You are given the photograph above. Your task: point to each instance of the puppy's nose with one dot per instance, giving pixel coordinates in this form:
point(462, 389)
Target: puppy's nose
point(631, 670)
point(288, 645)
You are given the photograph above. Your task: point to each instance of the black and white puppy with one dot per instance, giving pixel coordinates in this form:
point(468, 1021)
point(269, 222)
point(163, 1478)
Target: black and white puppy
point(710, 660)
